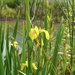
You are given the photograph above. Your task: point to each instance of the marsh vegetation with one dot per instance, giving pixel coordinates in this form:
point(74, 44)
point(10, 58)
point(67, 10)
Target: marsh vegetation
point(37, 37)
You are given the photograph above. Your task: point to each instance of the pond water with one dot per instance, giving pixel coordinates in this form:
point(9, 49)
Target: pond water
point(20, 27)
point(19, 32)
point(11, 29)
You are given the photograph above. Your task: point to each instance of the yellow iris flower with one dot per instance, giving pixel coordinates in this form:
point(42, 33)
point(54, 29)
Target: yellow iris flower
point(46, 33)
point(34, 33)
point(34, 66)
point(26, 65)
point(15, 43)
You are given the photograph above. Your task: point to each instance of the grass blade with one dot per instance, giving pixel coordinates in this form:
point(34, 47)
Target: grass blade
point(57, 45)
point(1, 62)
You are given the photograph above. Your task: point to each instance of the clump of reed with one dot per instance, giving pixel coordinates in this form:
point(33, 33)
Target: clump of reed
point(45, 50)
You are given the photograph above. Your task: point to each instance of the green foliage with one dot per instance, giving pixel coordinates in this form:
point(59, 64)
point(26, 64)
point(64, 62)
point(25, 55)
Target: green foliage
point(58, 10)
point(8, 12)
point(56, 48)
point(41, 56)
point(1, 63)
point(13, 3)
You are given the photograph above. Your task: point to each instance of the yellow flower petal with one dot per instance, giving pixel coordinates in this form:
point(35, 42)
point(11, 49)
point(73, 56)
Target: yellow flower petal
point(34, 33)
point(24, 65)
point(15, 43)
point(34, 66)
point(46, 33)
point(42, 42)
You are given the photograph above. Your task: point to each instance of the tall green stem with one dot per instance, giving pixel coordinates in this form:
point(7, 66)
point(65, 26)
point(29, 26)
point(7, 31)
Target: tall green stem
point(72, 33)
point(29, 43)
